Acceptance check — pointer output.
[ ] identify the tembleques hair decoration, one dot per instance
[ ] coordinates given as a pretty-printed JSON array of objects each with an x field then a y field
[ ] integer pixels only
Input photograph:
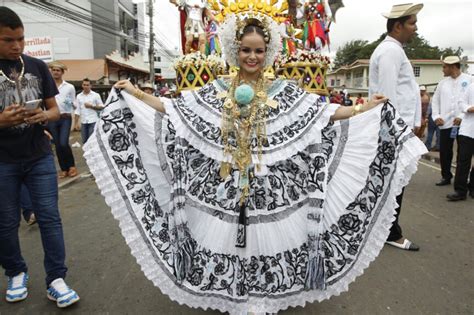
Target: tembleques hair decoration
[{"x": 231, "y": 32}]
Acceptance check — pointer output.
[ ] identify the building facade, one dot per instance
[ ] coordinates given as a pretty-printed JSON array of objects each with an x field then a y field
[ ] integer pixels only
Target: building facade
[
  {"x": 81, "y": 29},
  {"x": 355, "y": 77}
]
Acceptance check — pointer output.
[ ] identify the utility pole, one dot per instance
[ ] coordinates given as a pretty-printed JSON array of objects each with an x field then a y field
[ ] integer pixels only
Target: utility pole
[{"x": 151, "y": 51}]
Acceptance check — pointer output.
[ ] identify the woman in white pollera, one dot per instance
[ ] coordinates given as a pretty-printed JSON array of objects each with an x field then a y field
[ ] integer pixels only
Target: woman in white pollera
[{"x": 251, "y": 195}]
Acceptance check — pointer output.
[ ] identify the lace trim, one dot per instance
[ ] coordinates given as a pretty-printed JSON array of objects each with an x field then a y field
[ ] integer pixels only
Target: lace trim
[{"x": 102, "y": 170}]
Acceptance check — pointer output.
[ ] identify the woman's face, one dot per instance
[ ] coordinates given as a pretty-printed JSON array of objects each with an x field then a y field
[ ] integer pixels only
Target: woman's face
[{"x": 252, "y": 55}]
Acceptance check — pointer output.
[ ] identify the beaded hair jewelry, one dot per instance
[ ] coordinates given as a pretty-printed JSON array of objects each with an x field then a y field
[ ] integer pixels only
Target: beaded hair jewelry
[{"x": 231, "y": 31}]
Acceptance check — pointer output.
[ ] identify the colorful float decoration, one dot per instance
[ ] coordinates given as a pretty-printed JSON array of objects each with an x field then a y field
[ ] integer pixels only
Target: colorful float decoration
[
  {"x": 196, "y": 70},
  {"x": 307, "y": 33},
  {"x": 304, "y": 28},
  {"x": 308, "y": 68}
]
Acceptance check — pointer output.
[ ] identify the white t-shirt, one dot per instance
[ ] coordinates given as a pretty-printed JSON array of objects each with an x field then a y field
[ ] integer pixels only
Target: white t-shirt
[
  {"x": 88, "y": 115},
  {"x": 391, "y": 74},
  {"x": 66, "y": 98}
]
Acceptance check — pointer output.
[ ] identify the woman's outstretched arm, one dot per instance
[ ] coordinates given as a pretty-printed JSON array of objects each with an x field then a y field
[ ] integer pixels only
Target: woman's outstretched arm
[
  {"x": 148, "y": 99},
  {"x": 344, "y": 112}
]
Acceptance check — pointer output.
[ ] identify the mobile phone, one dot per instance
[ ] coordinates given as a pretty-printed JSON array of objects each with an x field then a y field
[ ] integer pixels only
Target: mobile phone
[{"x": 33, "y": 104}]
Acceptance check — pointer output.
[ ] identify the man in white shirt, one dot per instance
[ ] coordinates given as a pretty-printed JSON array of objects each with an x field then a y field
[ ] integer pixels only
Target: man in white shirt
[
  {"x": 446, "y": 111},
  {"x": 89, "y": 104},
  {"x": 465, "y": 149},
  {"x": 60, "y": 129},
  {"x": 391, "y": 74}
]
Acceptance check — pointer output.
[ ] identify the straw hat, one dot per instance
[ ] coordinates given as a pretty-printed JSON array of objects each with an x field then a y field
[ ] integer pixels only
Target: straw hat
[
  {"x": 57, "y": 64},
  {"x": 451, "y": 60},
  {"x": 400, "y": 10},
  {"x": 147, "y": 85}
]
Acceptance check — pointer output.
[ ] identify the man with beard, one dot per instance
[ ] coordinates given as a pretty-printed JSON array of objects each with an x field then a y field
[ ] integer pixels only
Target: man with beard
[{"x": 391, "y": 74}]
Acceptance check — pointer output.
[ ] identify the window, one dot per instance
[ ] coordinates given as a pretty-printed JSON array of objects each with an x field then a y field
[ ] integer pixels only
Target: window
[
  {"x": 157, "y": 58},
  {"x": 332, "y": 82},
  {"x": 417, "y": 71}
]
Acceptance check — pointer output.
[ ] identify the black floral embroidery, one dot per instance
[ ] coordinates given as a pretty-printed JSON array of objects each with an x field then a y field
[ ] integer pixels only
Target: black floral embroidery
[
  {"x": 288, "y": 182},
  {"x": 349, "y": 223},
  {"x": 211, "y": 134},
  {"x": 343, "y": 241},
  {"x": 118, "y": 140}
]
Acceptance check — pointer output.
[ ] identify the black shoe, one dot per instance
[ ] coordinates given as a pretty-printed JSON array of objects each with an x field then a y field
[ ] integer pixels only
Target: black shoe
[
  {"x": 456, "y": 196},
  {"x": 444, "y": 182}
]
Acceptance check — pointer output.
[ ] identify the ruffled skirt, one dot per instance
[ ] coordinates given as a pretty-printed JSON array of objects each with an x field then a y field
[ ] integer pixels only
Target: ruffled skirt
[{"x": 314, "y": 222}]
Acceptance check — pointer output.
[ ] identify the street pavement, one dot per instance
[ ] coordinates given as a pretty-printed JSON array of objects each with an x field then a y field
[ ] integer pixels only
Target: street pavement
[{"x": 436, "y": 280}]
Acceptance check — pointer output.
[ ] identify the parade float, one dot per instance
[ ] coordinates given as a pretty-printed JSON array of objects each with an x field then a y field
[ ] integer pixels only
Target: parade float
[
  {"x": 304, "y": 26},
  {"x": 306, "y": 35},
  {"x": 200, "y": 62}
]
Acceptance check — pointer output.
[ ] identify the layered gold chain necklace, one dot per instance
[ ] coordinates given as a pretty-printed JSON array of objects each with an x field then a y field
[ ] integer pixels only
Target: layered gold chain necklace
[
  {"x": 244, "y": 115},
  {"x": 244, "y": 118}
]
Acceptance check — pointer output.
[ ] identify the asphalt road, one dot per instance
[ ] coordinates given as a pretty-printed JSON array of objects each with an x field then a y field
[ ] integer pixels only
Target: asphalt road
[{"x": 439, "y": 279}]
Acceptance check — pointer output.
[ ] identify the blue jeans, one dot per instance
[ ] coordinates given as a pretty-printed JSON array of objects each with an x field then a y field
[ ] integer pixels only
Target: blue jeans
[
  {"x": 86, "y": 131},
  {"x": 25, "y": 202},
  {"x": 60, "y": 131},
  {"x": 40, "y": 178},
  {"x": 432, "y": 128}
]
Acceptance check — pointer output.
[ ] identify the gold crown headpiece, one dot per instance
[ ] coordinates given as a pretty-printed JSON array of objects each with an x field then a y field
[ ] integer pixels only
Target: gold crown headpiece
[{"x": 223, "y": 8}]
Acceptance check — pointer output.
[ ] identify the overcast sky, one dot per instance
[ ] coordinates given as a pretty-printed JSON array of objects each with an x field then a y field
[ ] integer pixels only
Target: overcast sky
[{"x": 444, "y": 23}]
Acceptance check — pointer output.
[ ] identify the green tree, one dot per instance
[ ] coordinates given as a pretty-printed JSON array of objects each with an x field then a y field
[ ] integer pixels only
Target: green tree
[
  {"x": 417, "y": 48},
  {"x": 348, "y": 53}
]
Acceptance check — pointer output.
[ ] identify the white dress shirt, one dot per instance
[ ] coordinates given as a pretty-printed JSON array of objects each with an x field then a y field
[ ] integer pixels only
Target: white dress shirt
[
  {"x": 447, "y": 98},
  {"x": 66, "y": 98},
  {"x": 467, "y": 125},
  {"x": 88, "y": 116},
  {"x": 391, "y": 74}
]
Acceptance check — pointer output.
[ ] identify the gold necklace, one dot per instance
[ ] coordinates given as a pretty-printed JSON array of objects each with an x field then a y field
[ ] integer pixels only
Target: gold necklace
[
  {"x": 241, "y": 122},
  {"x": 19, "y": 77}
]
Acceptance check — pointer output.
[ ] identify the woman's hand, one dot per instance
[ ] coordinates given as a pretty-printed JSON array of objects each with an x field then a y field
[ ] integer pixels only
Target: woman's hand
[
  {"x": 125, "y": 85},
  {"x": 374, "y": 101},
  {"x": 147, "y": 99}
]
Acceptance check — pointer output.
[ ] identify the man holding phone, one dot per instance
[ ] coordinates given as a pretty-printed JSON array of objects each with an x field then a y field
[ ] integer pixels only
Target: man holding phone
[{"x": 25, "y": 157}]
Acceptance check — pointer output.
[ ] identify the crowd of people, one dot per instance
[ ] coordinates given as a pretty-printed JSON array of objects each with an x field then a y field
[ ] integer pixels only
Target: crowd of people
[{"x": 216, "y": 207}]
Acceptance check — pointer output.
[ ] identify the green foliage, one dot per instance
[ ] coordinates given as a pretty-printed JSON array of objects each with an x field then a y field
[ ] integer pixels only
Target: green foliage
[{"x": 418, "y": 48}]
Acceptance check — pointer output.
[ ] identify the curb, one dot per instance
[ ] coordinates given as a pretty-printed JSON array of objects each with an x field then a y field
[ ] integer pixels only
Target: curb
[
  {"x": 431, "y": 158},
  {"x": 71, "y": 180}
]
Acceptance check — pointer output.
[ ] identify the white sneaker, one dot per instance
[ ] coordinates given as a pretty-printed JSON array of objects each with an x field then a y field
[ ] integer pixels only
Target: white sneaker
[
  {"x": 17, "y": 289},
  {"x": 59, "y": 292}
]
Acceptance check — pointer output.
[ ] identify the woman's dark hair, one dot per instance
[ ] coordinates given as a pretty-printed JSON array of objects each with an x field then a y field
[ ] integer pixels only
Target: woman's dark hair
[
  {"x": 9, "y": 19},
  {"x": 254, "y": 26},
  {"x": 391, "y": 22}
]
